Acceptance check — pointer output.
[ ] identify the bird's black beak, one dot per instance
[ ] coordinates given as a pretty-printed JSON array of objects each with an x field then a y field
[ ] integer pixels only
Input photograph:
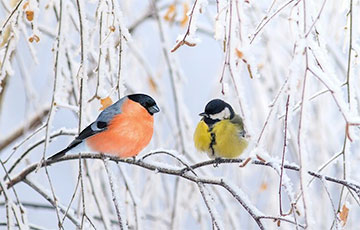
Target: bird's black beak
[
  {"x": 202, "y": 114},
  {"x": 153, "y": 109}
]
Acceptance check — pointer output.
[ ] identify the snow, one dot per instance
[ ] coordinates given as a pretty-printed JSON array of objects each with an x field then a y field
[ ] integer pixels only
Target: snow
[{"x": 182, "y": 82}]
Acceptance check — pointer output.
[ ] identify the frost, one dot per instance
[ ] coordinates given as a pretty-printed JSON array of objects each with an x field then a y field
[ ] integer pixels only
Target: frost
[
  {"x": 199, "y": 8},
  {"x": 244, "y": 198},
  {"x": 219, "y": 29},
  {"x": 255, "y": 55},
  {"x": 208, "y": 198}
]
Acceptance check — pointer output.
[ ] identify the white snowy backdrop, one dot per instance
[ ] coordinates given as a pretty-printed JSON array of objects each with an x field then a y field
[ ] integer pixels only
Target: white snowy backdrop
[{"x": 290, "y": 68}]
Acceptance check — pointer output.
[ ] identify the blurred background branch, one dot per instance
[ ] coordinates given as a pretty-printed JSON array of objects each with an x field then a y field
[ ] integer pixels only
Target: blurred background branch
[{"x": 290, "y": 68}]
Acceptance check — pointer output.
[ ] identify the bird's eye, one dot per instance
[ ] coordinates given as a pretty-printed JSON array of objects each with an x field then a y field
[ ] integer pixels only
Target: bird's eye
[{"x": 101, "y": 124}]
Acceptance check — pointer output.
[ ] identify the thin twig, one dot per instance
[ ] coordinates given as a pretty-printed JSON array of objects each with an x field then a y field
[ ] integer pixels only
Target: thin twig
[
  {"x": 103, "y": 217},
  {"x": 300, "y": 133},
  {"x": 210, "y": 209},
  {"x": 29, "y": 149},
  {"x": 348, "y": 99},
  {"x": 127, "y": 182},
  {"x": 113, "y": 193},
  {"x": 316, "y": 19},
  {"x": 31, "y": 124},
  {"x": 336, "y": 219},
  {"x": 283, "y": 153},
  {"x": 172, "y": 75},
  {"x": 82, "y": 75},
  {"x": 269, "y": 18},
  {"x": 272, "y": 105},
  {"x": 52, "y": 109},
  {"x": 187, "y": 33},
  {"x": 10, "y": 16},
  {"x": 119, "y": 62},
  {"x": 201, "y": 187},
  {"x": 53, "y": 202},
  {"x": 71, "y": 201}
]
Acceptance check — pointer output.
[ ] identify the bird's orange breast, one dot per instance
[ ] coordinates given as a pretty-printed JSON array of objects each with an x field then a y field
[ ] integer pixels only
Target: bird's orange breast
[{"x": 127, "y": 133}]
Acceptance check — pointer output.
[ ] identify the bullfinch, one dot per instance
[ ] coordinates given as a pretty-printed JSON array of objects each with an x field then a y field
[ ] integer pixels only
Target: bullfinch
[
  {"x": 122, "y": 129},
  {"x": 220, "y": 133}
]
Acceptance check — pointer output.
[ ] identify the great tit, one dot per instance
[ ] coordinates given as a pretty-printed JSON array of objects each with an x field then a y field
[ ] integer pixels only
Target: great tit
[{"x": 220, "y": 133}]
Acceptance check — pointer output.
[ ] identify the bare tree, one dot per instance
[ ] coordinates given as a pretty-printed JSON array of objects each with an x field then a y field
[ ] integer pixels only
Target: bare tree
[{"x": 290, "y": 68}]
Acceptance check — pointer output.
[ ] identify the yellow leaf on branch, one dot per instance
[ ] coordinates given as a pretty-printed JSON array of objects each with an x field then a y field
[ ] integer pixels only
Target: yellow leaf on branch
[
  {"x": 185, "y": 18},
  {"x": 112, "y": 28},
  {"x": 26, "y": 4},
  {"x": 105, "y": 102},
  {"x": 29, "y": 15},
  {"x": 239, "y": 54},
  {"x": 34, "y": 38},
  {"x": 170, "y": 13}
]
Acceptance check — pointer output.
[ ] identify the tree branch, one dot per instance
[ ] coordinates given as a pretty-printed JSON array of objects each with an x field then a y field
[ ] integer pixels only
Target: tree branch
[
  {"x": 183, "y": 172},
  {"x": 29, "y": 125}
]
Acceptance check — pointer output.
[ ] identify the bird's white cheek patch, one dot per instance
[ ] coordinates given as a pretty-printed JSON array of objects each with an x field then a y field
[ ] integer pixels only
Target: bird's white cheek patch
[{"x": 225, "y": 114}]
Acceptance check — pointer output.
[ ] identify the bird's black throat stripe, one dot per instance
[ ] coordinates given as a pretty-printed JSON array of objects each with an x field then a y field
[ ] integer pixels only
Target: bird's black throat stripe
[{"x": 213, "y": 141}]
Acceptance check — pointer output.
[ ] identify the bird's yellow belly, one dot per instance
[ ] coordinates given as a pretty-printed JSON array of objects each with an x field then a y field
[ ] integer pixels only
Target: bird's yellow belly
[
  {"x": 202, "y": 137},
  {"x": 227, "y": 144}
]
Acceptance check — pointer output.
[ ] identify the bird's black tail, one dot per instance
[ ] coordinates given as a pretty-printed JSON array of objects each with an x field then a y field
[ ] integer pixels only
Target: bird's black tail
[
  {"x": 73, "y": 144},
  {"x": 59, "y": 154}
]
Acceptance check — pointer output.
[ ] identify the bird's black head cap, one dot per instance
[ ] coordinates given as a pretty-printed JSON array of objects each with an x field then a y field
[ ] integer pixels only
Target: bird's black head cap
[
  {"x": 214, "y": 107},
  {"x": 146, "y": 101}
]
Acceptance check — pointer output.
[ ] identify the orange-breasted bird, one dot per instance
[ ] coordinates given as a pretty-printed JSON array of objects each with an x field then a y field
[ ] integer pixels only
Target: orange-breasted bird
[{"x": 122, "y": 129}]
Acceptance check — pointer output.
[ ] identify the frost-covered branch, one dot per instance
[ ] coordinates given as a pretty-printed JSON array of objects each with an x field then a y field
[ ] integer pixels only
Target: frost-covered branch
[
  {"x": 29, "y": 125},
  {"x": 187, "y": 38},
  {"x": 289, "y": 68},
  {"x": 115, "y": 198},
  {"x": 183, "y": 173},
  {"x": 52, "y": 201}
]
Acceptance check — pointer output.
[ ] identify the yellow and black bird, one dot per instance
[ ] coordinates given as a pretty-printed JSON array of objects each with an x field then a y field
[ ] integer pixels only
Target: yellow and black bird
[{"x": 220, "y": 133}]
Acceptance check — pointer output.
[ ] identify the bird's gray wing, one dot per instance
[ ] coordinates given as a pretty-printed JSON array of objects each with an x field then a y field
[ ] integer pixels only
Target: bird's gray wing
[
  {"x": 99, "y": 125},
  {"x": 237, "y": 120}
]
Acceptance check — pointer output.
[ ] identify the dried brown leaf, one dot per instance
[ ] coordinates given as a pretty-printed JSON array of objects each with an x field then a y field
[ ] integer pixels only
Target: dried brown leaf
[
  {"x": 185, "y": 18},
  {"x": 36, "y": 38},
  {"x": 105, "y": 102},
  {"x": 26, "y": 4},
  {"x": 29, "y": 15},
  {"x": 170, "y": 13},
  {"x": 344, "y": 214},
  {"x": 239, "y": 54}
]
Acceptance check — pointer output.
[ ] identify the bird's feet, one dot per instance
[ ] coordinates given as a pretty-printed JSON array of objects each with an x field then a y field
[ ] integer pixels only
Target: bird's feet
[{"x": 217, "y": 161}]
